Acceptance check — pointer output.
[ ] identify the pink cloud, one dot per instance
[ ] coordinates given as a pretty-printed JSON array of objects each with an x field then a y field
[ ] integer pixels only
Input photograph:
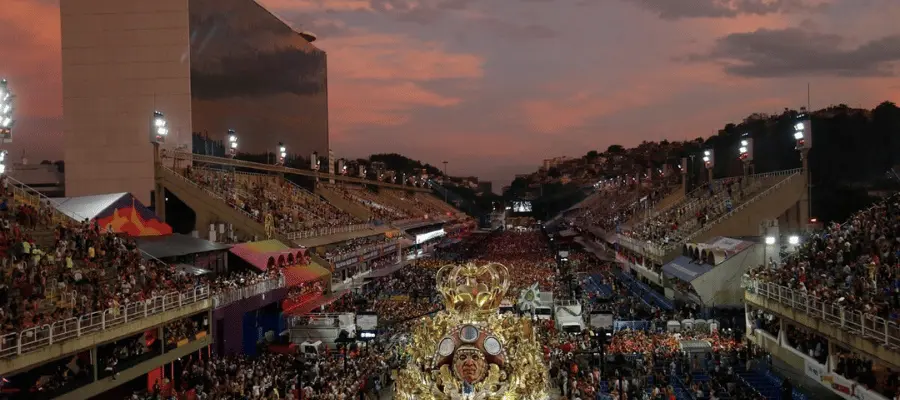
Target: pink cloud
[
  {"x": 374, "y": 56},
  {"x": 376, "y": 79}
]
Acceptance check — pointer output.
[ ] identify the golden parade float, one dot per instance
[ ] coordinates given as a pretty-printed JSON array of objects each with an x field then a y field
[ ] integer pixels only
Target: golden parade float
[{"x": 469, "y": 351}]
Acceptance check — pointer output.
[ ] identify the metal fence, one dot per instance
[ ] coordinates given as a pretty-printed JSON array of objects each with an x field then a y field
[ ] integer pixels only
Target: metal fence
[
  {"x": 875, "y": 328},
  {"x": 33, "y": 339},
  {"x": 225, "y": 298}
]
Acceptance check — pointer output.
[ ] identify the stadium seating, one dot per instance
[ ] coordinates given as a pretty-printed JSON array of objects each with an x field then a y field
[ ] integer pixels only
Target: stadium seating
[{"x": 293, "y": 208}]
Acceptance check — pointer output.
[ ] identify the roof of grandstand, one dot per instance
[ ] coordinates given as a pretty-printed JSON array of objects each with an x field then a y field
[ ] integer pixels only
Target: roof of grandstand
[
  {"x": 259, "y": 253},
  {"x": 176, "y": 245},
  {"x": 686, "y": 269},
  {"x": 88, "y": 207},
  {"x": 307, "y": 273}
]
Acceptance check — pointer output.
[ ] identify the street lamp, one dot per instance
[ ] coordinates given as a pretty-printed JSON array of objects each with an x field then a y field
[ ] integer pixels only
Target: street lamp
[
  {"x": 6, "y": 112},
  {"x": 232, "y": 143},
  {"x": 746, "y": 154}
]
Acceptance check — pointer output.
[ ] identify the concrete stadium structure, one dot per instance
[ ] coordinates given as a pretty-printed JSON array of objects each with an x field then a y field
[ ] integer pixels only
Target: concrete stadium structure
[{"x": 207, "y": 65}]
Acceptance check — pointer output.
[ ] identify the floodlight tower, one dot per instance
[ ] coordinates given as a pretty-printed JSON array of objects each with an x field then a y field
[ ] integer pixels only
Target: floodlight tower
[
  {"x": 6, "y": 112},
  {"x": 231, "y": 151},
  {"x": 709, "y": 161},
  {"x": 3, "y": 154},
  {"x": 745, "y": 152},
  {"x": 803, "y": 137},
  {"x": 281, "y": 155}
]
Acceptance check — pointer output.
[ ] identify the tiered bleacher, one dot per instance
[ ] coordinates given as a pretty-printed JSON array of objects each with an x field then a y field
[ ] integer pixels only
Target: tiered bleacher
[
  {"x": 294, "y": 210},
  {"x": 699, "y": 209},
  {"x": 846, "y": 276},
  {"x": 377, "y": 204}
]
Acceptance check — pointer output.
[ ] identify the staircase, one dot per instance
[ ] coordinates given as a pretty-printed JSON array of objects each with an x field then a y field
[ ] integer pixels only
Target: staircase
[{"x": 204, "y": 202}]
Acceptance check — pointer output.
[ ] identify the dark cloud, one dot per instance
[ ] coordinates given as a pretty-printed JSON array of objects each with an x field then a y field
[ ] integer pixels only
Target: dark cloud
[
  {"x": 794, "y": 52},
  {"x": 244, "y": 51},
  {"x": 677, "y": 9}
]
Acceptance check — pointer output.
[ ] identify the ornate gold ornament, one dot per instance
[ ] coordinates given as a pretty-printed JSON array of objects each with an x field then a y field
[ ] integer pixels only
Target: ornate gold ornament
[{"x": 469, "y": 351}]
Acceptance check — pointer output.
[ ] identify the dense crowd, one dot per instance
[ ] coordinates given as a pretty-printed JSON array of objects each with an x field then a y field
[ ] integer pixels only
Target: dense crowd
[
  {"x": 358, "y": 245},
  {"x": 377, "y": 205},
  {"x": 527, "y": 257},
  {"x": 290, "y": 207},
  {"x": 854, "y": 264},
  {"x": 75, "y": 269},
  {"x": 694, "y": 211}
]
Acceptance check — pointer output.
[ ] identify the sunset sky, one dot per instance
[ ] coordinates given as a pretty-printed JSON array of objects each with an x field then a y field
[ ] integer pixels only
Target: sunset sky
[{"x": 495, "y": 86}]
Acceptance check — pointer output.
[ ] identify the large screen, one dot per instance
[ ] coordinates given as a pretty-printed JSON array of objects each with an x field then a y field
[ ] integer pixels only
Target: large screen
[
  {"x": 602, "y": 321},
  {"x": 521, "y": 206},
  {"x": 252, "y": 73}
]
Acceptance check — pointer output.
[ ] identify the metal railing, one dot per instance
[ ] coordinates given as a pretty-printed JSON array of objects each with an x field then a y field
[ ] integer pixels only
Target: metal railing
[
  {"x": 34, "y": 339},
  {"x": 362, "y": 251},
  {"x": 331, "y": 230},
  {"x": 200, "y": 158},
  {"x": 869, "y": 326},
  {"x": 227, "y": 297},
  {"x": 660, "y": 250}
]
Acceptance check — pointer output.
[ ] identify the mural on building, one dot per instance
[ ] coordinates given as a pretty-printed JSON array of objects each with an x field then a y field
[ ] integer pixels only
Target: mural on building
[{"x": 128, "y": 215}]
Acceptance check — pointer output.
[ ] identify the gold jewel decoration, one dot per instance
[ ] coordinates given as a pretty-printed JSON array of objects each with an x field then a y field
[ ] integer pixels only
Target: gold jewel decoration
[{"x": 469, "y": 351}]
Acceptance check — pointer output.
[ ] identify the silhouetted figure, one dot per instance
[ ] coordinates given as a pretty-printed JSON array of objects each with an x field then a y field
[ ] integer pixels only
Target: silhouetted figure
[{"x": 787, "y": 389}]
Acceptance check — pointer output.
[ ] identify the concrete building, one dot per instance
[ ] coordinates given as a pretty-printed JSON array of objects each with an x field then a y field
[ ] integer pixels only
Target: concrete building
[{"x": 206, "y": 64}]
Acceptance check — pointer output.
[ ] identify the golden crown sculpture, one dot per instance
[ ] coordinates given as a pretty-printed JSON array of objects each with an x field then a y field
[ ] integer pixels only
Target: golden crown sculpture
[
  {"x": 470, "y": 289},
  {"x": 469, "y": 351}
]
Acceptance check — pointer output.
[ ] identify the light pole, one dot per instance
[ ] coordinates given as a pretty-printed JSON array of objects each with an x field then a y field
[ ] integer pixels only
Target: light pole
[
  {"x": 446, "y": 193},
  {"x": 746, "y": 156}
]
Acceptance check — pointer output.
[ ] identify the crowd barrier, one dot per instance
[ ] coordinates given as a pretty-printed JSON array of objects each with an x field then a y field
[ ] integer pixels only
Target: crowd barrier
[
  {"x": 867, "y": 325},
  {"x": 33, "y": 339},
  {"x": 225, "y": 298}
]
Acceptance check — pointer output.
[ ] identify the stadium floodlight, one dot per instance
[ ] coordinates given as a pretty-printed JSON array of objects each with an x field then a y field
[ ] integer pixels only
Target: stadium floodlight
[
  {"x": 281, "y": 156},
  {"x": 802, "y": 133},
  {"x": 6, "y": 111},
  {"x": 709, "y": 158},
  {"x": 794, "y": 240},
  {"x": 770, "y": 240},
  {"x": 3, "y": 154},
  {"x": 159, "y": 128},
  {"x": 232, "y": 143}
]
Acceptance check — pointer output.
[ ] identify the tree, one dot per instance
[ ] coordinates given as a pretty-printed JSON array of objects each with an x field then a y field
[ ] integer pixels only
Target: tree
[
  {"x": 553, "y": 172},
  {"x": 591, "y": 155},
  {"x": 615, "y": 149}
]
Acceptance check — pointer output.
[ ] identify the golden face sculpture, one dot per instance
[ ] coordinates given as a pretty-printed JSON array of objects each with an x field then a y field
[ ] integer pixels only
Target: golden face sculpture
[{"x": 469, "y": 364}]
